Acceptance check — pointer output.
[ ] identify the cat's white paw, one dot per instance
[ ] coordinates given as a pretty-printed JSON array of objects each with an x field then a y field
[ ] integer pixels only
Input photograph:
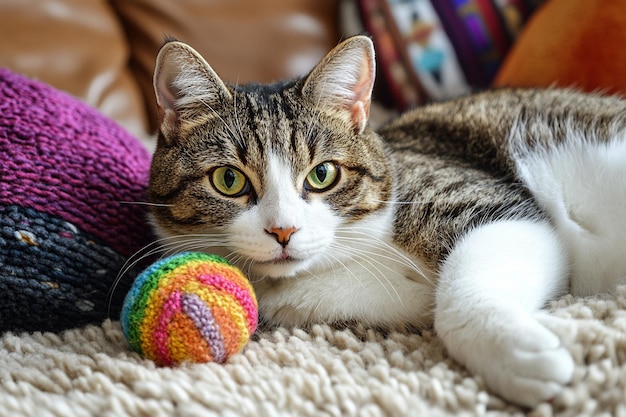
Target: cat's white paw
[
  {"x": 519, "y": 358},
  {"x": 528, "y": 368}
]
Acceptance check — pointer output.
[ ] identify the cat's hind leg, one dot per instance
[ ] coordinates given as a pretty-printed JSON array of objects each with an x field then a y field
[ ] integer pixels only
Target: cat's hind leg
[{"x": 492, "y": 283}]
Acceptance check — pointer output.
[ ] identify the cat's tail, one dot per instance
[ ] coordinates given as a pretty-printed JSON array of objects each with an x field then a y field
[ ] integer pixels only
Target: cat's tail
[{"x": 580, "y": 181}]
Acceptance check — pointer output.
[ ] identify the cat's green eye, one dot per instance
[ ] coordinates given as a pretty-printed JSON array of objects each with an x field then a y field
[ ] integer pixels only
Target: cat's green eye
[
  {"x": 229, "y": 181},
  {"x": 322, "y": 177}
]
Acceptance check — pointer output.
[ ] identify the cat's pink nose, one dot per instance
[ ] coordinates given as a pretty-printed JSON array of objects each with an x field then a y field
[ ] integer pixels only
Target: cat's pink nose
[{"x": 282, "y": 234}]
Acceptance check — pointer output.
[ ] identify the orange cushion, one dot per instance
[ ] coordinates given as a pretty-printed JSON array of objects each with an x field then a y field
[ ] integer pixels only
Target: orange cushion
[{"x": 570, "y": 43}]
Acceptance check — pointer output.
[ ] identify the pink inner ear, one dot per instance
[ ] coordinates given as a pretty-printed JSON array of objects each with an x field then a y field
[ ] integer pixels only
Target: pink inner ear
[
  {"x": 360, "y": 109},
  {"x": 169, "y": 118},
  {"x": 360, "y": 114},
  {"x": 343, "y": 81}
]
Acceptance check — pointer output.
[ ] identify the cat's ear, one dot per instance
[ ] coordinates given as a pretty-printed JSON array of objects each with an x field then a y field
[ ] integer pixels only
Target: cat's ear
[
  {"x": 343, "y": 81},
  {"x": 186, "y": 86}
]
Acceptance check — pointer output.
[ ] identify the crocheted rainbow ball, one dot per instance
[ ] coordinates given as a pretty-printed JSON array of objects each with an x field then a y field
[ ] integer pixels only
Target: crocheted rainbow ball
[{"x": 189, "y": 307}]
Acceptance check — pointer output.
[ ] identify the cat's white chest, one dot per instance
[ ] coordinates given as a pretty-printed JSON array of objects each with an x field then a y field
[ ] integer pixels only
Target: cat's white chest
[{"x": 372, "y": 288}]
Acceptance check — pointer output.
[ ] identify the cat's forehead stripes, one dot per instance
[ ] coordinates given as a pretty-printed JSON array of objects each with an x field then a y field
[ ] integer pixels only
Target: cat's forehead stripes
[{"x": 272, "y": 120}]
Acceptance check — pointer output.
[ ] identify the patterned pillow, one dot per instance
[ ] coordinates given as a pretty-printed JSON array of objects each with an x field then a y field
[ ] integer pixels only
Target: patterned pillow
[
  {"x": 68, "y": 181},
  {"x": 434, "y": 50}
]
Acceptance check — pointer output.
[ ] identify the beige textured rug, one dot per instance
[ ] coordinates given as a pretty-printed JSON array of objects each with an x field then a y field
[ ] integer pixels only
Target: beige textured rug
[{"x": 323, "y": 372}]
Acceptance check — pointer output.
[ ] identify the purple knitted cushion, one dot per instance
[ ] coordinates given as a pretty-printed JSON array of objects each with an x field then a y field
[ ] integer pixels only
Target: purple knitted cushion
[{"x": 68, "y": 181}]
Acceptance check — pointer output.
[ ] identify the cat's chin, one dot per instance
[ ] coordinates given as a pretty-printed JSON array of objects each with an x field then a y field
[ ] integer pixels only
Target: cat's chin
[{"x": 285, "y": 268}]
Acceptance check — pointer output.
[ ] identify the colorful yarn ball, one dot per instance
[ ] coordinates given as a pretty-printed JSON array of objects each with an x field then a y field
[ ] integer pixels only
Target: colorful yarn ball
[{"x": 189, "y": 307}]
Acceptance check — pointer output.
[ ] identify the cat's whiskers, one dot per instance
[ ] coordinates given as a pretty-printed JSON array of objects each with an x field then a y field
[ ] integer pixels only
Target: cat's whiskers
[
  {"x": 247, "y": 265},
  {"x": 358, "y": 256},
  {"x": 191, "y": 243},
  {"x": 165, "y": 247},
  {"x": 333, "y": 260},
  {"x": 144, "y": 253},
  {"x": 256, "y": 278},
  {"x": 145, "y": 203},
  {"x": 371, "y": 254},
  {"x": 234, "y": 134},
  {"x": 242, "y": 262},
  {"x": 237, "y": 123},
  {"x": 385, "y": 251},
  {"x": 379, "y": 248},
  {"x": 401, "y": 202}
]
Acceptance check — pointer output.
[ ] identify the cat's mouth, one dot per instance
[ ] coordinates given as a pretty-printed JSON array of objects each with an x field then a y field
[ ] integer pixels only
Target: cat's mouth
[
  {"x": 282, "y": 259},
  {"x": 283, "y": 265}
]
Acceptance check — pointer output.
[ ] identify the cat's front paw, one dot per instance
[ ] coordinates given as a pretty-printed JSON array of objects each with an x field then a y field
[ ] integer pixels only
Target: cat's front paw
[
  {"x": 519, "y": 358},
  {"x": 531, "y": 374}
]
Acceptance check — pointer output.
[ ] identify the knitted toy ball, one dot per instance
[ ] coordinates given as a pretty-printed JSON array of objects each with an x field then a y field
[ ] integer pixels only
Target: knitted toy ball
[{"x": 189, "y": 307}]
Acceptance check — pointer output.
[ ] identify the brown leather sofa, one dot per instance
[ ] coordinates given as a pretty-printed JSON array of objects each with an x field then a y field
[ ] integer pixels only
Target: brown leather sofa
[{"x": 103, "y": 51}]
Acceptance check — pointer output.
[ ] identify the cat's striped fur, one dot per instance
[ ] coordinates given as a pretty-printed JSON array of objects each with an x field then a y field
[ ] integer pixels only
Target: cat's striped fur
[{"x": 465, "y": 212}]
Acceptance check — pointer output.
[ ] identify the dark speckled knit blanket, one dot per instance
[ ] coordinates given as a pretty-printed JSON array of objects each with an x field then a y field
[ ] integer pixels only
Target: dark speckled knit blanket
[{"x": 68, "y": 178}]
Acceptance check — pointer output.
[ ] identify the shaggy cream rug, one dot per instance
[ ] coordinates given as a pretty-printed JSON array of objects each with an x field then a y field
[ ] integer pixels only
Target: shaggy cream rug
[{"x": 322, "y": 372}]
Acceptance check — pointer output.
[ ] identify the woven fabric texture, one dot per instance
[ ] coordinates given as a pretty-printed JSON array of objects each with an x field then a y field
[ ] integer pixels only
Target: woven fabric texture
[{"x": 69, "y": 182}]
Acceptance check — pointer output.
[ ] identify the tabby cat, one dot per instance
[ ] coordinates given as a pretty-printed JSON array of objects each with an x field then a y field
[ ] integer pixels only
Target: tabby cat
[{"x": 469, "y": 214}]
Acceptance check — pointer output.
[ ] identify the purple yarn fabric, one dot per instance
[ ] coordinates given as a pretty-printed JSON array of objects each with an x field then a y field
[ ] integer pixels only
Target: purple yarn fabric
[
  {"x": 65, "y": 159},
  {"x": 68, "y": 180}
]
